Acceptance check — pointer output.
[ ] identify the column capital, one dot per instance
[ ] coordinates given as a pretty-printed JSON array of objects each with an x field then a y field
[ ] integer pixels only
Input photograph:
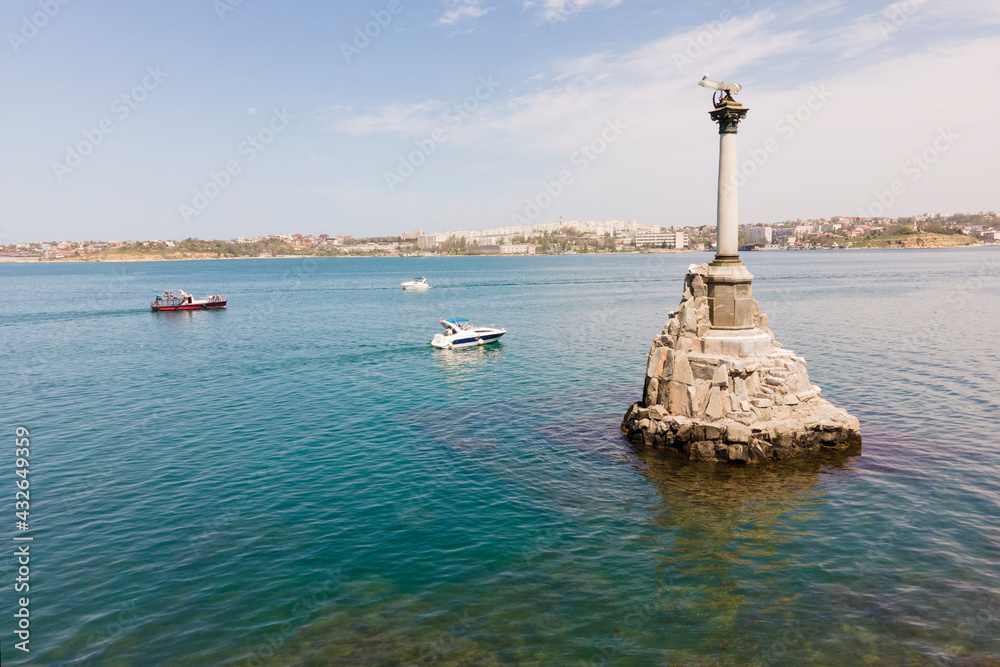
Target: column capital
[{"x": 728, "y": 113}]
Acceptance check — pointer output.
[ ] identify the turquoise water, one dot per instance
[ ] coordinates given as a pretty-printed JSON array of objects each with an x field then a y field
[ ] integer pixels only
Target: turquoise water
[{"x": 302, "y": 480}]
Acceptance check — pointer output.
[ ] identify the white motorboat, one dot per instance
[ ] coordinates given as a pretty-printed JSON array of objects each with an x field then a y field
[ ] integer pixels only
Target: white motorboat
[
  {"x": 416, "y": 283},
  {"x": 459, "y": 333}
]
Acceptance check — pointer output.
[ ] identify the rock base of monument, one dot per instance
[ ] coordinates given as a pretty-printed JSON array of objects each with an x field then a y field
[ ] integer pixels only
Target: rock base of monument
[{"x": 730, "y": 396}]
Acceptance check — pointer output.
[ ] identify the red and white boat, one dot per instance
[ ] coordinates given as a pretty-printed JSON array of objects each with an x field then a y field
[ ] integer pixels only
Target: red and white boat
[{"x": 178, "y": 299}]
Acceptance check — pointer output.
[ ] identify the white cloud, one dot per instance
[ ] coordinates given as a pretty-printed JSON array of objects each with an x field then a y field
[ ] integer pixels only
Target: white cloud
[
  {"x": 562, "y": 10},
  {"x": 804, "y": 12},
  {"x": 884, "y": 109},
  {"x": 404, "y": 119},
  {"x": 459, "y": 10}
]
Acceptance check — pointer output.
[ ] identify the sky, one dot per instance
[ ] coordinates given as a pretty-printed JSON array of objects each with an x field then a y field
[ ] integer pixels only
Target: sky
[{"x": 227, "y": 118}]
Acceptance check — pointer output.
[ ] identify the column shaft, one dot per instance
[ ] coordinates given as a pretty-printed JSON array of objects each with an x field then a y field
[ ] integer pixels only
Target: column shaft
[{"x": 727, "y": 231}]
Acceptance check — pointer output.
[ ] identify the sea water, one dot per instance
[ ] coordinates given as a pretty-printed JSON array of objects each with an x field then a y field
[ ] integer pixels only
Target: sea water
[{"x": 301, "y": 479}]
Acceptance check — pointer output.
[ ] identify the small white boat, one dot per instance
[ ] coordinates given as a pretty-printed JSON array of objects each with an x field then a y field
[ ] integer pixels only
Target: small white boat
[
  {"x": 416, "y": 283},
  {"x": 459, "y": 333}
]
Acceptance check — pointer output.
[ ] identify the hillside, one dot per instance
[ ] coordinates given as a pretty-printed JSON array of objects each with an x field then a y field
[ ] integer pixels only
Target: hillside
[{"x": 915, "y": 240}]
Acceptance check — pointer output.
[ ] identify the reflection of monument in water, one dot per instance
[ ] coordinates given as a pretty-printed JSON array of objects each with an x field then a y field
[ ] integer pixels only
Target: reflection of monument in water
[
  {"x": 727, "y": 546},
  {"x": 718, "y": 386}
]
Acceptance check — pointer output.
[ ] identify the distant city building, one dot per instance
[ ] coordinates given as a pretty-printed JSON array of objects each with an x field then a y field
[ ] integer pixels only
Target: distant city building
[
  {"x": 760, "y": 235},
  {"x": 412, "y": 236},
  {"x": 517, "y": 249},
  {"x": 670, "y": 239},
  {"x": 482, "y": 250},
  {"x": 431, "y": 241},
  {"x": 783, "y": 236}
]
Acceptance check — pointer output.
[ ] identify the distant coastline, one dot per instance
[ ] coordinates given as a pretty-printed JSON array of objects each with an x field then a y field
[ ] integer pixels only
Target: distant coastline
[
  {"x": 127, "y": 259},
  {"x": 562, "y": 238}
]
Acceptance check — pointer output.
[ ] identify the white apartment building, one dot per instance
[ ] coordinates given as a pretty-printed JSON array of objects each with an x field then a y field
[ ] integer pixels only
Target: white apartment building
[
  {"x": 760, "y": 235},
  {"x": 431, "y": 241},
  {"x": 517, "y": 249},
  {"x": 660, "y": 238}
]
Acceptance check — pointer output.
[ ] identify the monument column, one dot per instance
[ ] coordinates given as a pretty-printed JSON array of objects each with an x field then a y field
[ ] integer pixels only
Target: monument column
[
  {"x": 728, "y": 282},
  {"x": 727, "y": 229}
]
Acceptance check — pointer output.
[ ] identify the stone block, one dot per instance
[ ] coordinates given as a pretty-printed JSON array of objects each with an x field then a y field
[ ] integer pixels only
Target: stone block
[
  {"x": 715, "y": 432},
  {"x": 698, "y": 287},
  {"x": 716, "y": 408},
  {"x": 657, "y": 412},
  {"x": 721, "y": 451},
  {"x": 689, "y": 319},
  {"x": 703, "y": 451},
  {"x": 681, "y": 369},
  {"x": 700, "y": 398},
  {"x": 807, "y": 395},
  {"x": 756, "y": 452},
  {"x": 678, "y": 400},
  {"x": 654, "y": 366},
  {"x": 661, "y": 394},
  {"x": 738, "y": 433},
  {"x": 721, "y": 376},
  {"x": 685, "y": 431},
  {"x": 738, "y": 453},
  {"x": 703, "y": 370},
  {"x": 652, "y": 391},
  {"x": 740, "y": 388},
  {"x": 687, "y": 343}
]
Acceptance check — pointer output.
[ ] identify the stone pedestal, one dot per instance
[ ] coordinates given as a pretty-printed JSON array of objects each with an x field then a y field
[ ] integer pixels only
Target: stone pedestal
[{"x": 718, "y": 394}]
